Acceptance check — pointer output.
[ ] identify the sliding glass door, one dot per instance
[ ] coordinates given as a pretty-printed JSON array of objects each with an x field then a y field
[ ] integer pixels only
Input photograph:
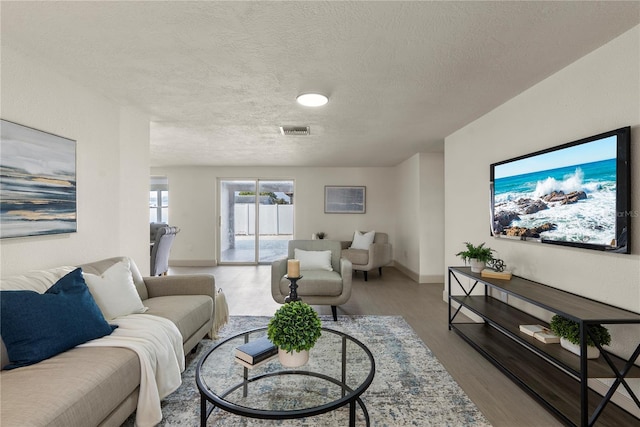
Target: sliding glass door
[{"x": 256, "y": 220}]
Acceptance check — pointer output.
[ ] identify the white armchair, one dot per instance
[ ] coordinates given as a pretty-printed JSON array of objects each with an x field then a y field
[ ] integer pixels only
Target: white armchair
[
  {"x": 377, "y": 256},
  {"x": 317, "y": 287}
]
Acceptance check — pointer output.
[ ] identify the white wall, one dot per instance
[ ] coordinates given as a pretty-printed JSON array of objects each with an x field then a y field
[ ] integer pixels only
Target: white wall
[
  {"x": 405, "y": 201},
  {"x": 192, "y": 207},
  {"x": 134, "y": 187},
  {"x": 431, "y": 217},
  {"x": 419, "y": 217},
  {"x": 407, "y": 217},
  {"x": 599, "y": 92},
  {"x": 112, "y": 159},
  {"x": 193, "y": 204}
]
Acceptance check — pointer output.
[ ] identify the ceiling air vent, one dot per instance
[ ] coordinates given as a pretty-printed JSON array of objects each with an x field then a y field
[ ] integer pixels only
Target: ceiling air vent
[{"x": 294, "y": 130}]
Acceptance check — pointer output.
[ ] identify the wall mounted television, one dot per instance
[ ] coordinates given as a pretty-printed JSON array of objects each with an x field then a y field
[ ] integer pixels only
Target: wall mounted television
[{"x": 576, "y": 194}]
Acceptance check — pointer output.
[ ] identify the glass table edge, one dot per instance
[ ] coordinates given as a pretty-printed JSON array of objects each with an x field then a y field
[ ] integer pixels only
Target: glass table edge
[{"x": 298, "y": 413}]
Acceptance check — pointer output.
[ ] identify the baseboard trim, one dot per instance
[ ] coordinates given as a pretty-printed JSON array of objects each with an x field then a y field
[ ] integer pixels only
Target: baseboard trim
[
  {"x": 420, "y": 278},
  {"x": 431, "y": 278},
  {"x": 193, "y": 263},
  {"x": 412, "y": 274}
]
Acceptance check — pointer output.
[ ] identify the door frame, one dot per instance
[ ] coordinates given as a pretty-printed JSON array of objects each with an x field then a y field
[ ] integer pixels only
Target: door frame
[{"x": 256, "y": 222}]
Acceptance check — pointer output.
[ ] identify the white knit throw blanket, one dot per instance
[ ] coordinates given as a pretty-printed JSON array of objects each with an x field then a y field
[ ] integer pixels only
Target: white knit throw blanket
[
  {"x": 158, "y": 344},
  {"x": 220, "y": 313}
]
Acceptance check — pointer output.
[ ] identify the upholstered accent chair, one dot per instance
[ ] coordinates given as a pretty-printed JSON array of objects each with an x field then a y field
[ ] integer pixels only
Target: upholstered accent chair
[
  {"x": 318, "y": 285},
  {"x": 161, "y": 248},
  {"x": 376, "y": 256},
  {"x": 153, "y": 230}
]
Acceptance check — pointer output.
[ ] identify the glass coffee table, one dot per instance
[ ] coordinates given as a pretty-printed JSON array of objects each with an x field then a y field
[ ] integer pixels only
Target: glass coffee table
[{"x": 339, "y": 370}]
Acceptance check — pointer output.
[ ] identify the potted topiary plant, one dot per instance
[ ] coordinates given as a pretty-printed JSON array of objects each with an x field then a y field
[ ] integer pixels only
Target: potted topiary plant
[
  {"x": 294, "y": 329},
  {"x": 477, "y": 256},
  {"x": 321, "y": 235},
  {"x": 569, "y": 333}
]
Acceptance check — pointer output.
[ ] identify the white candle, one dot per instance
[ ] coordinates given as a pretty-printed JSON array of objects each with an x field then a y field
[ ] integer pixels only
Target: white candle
[{"x": 293, "y": 268}]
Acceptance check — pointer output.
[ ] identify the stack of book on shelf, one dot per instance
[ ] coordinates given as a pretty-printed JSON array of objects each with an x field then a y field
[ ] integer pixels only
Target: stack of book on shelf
[
  {"x": 540, "y": 333},
  {"x": 256, "y": 352}
]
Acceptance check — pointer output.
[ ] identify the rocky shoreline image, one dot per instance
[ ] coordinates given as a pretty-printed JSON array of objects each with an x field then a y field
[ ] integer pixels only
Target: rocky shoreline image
[
  {"x": 503, "y": 219},
  {"x": 567, "y": 195}
]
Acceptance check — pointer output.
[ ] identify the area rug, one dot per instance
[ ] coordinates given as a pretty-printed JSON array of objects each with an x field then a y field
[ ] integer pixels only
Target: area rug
[{"x": 410, "y": 388}]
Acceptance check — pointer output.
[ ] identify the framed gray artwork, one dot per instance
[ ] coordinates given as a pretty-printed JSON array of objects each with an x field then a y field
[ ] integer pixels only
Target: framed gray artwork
[{"x": 344, "y": 199}]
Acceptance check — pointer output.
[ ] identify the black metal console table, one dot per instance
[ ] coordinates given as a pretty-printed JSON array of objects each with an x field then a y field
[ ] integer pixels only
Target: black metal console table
[{"x": 554, "y": 376}]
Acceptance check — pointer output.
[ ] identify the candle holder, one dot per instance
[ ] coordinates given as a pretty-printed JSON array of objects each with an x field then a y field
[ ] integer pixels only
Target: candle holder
[{"x": 293, "y": 289}]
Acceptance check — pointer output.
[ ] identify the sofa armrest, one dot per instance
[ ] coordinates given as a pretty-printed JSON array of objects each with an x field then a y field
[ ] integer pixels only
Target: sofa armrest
[
  {"x": 346, "y": 271},
  {"x": 193, "y": 284},
  {"x": 278, "y": 269},
  {"x": 379, "y": 254}
]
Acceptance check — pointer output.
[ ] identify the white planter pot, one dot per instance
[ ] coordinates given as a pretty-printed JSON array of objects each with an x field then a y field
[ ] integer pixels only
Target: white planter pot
[
  {"x": 476, "y": 266},
  {"x": 294, "y": 359},
  {"x": 592, "y": 352}
]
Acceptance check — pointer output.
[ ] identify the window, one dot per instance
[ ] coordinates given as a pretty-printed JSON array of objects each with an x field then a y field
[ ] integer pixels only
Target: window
[{"x": 159, "y": 199}]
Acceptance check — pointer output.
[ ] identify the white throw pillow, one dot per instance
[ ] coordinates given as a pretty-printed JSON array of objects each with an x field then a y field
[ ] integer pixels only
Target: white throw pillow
[
  {"x": 362, "y": 240},
  {"x": 114, "y": 291},
  {"x": 313, "y": 260}
]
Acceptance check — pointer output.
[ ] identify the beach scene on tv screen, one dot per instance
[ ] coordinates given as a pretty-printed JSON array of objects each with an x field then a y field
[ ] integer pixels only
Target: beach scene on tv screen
[{"x": 566, "y": 195}]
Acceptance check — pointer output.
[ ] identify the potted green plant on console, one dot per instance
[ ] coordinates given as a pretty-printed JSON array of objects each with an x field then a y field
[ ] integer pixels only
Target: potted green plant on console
[
  {"x": 294, "y": 329},
  {"x": 569, "y": 333},
  {"x": 478, "y": 256}
]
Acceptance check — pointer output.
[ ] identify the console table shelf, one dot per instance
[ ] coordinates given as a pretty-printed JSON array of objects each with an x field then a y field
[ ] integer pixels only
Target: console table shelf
[{"x": 553, "y": 375}]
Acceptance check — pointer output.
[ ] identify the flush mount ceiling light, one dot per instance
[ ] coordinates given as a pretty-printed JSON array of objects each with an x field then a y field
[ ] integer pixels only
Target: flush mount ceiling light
[{"x": 312, "y": 99}]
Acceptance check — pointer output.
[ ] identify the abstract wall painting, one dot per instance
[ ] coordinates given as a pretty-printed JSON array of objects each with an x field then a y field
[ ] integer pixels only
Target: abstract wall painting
[
  {"x": 37, "y": 182},
  {"x": 344, "y": 199}
]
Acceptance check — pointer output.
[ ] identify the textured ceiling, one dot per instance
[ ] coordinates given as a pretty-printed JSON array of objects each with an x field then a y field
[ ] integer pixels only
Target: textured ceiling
[{"x": 219, "y": 78}]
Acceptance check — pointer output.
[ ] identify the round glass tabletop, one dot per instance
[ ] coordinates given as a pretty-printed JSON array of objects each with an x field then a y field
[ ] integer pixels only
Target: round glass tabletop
[{"x": 339, "y": 370}]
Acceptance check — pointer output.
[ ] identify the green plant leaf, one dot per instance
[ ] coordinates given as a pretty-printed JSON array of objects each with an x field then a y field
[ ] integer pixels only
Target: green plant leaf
[
  {"x": 294, "y": 327},
  {"x": 570, "y": 330},
  {"x": 476, "y": 252}
]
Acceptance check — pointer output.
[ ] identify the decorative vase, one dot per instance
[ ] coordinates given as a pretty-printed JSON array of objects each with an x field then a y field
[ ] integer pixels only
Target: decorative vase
[
  {"x": 592, "y": 352},
  {"x": 294, "y": 359},
  {"x": 476, "y": 266}
]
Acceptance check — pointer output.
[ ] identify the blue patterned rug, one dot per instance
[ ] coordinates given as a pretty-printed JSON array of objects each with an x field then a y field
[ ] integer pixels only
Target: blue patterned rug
[{"x": 410, "y": 388}]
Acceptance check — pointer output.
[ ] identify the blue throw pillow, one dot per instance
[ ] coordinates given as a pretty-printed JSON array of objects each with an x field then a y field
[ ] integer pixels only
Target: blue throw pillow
[{"x": 38, "y": 326}]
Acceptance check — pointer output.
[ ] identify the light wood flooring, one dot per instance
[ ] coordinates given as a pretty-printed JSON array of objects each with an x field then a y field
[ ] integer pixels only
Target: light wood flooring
[{"x": 248, "y": 292}]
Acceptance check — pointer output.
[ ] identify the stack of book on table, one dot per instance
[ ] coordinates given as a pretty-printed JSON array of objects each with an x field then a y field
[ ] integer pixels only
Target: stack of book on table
[
  {"x": 256, "y": 352},
  {"x": 540, "y": 333}
]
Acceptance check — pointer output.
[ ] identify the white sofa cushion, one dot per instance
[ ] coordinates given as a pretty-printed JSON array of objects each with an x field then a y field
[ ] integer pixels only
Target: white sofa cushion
[{"x": 316, "y": 283}]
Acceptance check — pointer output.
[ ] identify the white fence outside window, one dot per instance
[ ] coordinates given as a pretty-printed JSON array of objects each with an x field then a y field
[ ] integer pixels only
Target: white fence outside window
[{"x": 274, "y": 219}]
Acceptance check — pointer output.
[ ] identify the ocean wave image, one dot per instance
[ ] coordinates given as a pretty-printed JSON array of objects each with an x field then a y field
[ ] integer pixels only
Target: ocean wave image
[
  {"x": 37, "y": 182},
  {"x": 574, "y": 203}
]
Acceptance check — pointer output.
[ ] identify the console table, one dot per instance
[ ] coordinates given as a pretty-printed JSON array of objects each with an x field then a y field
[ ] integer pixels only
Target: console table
[{"x": 551, "y": 374}]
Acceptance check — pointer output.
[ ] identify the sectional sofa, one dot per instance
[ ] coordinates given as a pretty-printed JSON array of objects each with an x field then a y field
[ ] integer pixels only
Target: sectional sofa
[{"x": 98, "y": 386}]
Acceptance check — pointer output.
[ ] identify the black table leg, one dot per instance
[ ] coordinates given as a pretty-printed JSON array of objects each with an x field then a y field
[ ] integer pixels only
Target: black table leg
[
  {"x": 203, "y": 411},
  {"x": 352, "y": 414}
]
